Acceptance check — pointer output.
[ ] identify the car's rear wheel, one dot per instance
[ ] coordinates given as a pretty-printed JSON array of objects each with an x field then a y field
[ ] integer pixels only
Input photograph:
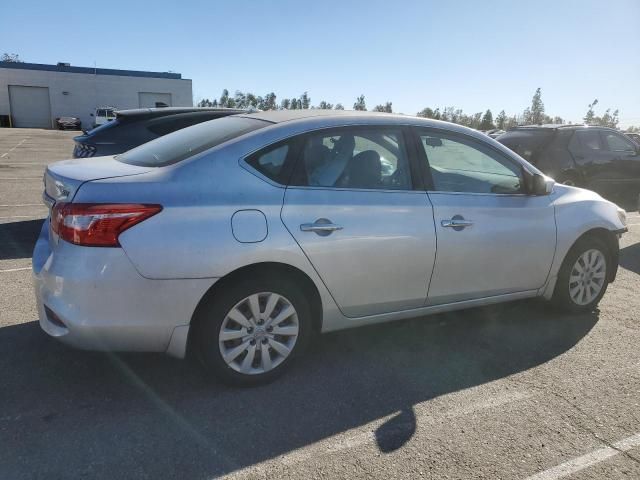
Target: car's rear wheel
[
  {"x": 584, "y": 276},
  {"x": 249, "y": 332}
]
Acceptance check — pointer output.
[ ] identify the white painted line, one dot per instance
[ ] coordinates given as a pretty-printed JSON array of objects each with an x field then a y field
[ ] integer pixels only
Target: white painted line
[
  {"x": 25, "y": 205},
  {"x": 22, "y": 178},
  {"x": 13, "y": 148},
  {"x": 343, "y": 441},
  {"x": 575, "y": 465},
  {"x": 35, "y": 217},
  {"x": 21, "y": 269}
]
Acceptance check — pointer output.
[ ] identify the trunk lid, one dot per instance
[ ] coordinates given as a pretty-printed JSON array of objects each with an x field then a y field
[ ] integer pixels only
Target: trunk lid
[{"x": 63, "y": 179}]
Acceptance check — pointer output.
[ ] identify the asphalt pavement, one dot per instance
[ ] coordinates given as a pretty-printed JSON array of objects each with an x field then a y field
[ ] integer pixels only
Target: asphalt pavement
[{"x": 514, "y": 391}]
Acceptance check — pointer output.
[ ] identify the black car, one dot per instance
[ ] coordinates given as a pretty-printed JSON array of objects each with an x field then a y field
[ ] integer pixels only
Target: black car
[
  {"x": 598, "y": 158},
  {"x": 135, "y": 127},
  {"x": 634, "y": 136},
  {"x": 68, "y": 123}
]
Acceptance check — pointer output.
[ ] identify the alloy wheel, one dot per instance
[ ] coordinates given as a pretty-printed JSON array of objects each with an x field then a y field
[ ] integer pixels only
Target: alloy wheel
[
  {"x": 258, "y": 333},
  {"x": 587, "y": 277}
]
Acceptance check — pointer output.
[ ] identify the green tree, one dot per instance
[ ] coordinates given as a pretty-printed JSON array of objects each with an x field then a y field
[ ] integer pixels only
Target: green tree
[
  {"x": 534, "y": 115},
  {"x": 285, "y": 104},
  {"x": 591, "y": 114},
  {"x": 270, "y": 101},
  {"x": 501, "y": 119},
  {"x": 325, "y": 105},
  {"x": 426, "y": 112},
  {"x": 305, "y": 101},
  {"x": 487, "y": 121},
  {"x": 224, "y": 98},
  {"x": 387, "y": 107},
  {"x": 360, "y": 104},
  {"x": 10, "y": 57},
  {"x": 338, "y": 106}
]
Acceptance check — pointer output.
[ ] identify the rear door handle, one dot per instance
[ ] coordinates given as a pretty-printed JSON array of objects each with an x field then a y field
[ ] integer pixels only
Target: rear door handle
[
  {"x": 456, "y": 223},
  {"x": 322, "y": 227}
]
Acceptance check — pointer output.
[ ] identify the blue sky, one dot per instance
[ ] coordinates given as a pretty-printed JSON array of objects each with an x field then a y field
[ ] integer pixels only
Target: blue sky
[{"x": 468, "y": 54}]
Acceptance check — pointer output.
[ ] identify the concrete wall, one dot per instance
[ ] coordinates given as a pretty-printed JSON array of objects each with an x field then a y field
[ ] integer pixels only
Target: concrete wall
[{"x": 85, "y": 92}]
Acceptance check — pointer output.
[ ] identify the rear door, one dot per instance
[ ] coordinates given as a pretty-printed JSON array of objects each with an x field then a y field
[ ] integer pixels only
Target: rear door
[
  {"x": 597, "y": 164},
  {"x": 353, "y": 209},
  {"x": 624, "y": 154},
  {"x": 493, "y": 238}
]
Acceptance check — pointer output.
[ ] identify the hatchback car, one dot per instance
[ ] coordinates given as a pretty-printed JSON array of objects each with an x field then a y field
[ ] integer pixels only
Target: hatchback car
[
  {"x": 598, "y": 158},
  {"x": 131, "y": 128},
  {"x": 240, "y": 238}
]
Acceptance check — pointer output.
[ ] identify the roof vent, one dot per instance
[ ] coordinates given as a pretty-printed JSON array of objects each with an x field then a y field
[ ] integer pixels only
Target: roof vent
[{"x": 64, "y": 64}]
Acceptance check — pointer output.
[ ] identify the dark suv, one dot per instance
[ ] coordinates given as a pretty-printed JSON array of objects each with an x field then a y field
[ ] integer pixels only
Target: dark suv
[
  {"x": 598, "y": 158},
  {"x": 135, "y": 127}
]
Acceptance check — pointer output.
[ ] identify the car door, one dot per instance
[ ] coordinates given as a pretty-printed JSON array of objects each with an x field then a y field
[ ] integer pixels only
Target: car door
[
  {"x": 493, "y": 238},
  {"x": 597, "y": 164},
  {"x": 353, "y": 209},
  {"x": 624, "y": 155}
]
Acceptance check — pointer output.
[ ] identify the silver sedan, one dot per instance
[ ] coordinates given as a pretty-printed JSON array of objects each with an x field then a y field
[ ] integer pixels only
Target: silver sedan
[{"x": 240, "y": 238}]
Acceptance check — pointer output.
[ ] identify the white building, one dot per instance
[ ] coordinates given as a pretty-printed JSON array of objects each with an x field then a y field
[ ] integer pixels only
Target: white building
[{"x": 34, "y": 95}]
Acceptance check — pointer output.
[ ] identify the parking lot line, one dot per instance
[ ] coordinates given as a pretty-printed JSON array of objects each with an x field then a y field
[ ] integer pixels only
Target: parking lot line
[
  {"x": 21, "y": 269},
  {"x": 25, "y": 205},
  {"x": 13, "y": 148},
  {"x": 576, "y": 464}
]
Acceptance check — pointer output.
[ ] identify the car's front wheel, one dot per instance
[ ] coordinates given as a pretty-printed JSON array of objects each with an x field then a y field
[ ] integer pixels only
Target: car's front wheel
[
  {"x": 584, "y": 276},
  {"x": 249, "y": 332}
]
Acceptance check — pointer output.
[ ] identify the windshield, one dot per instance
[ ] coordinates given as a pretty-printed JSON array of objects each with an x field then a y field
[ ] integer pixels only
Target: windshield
[{"x": 185, "y": 143}]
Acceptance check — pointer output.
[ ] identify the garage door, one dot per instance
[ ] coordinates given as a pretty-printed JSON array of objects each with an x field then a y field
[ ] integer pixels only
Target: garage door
[
  {"x": 30, "y": 107},
  {"x": 151, "y": 99}
]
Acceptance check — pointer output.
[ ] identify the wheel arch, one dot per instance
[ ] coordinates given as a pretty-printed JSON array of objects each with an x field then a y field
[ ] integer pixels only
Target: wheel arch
[{"x": 263, "y": 268}]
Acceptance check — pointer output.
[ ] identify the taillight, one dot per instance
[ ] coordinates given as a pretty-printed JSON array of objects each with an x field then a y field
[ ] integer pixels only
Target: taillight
[{"x": 97, "y": 224}]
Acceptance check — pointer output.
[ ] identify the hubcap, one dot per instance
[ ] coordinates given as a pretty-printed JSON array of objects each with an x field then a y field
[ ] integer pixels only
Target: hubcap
[
  {"x": 258, "y": 333},
  {"x": 587, "y": 277}
]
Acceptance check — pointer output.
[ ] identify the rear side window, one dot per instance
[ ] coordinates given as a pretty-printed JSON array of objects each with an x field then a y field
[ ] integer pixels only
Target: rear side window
[
  {"x": 270, "y": 162},
  {"x": 617, "y": 143},
  {"x": 355, "y": 158},
  {"x": 526, "y": 143},
  {"x": 177, "y": 146}
]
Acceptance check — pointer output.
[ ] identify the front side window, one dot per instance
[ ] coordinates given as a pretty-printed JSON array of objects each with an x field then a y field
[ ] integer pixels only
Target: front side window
[
  {"x": 463, "y": 165},
  {"x": 354, "y": 158},
  {"x": 589, "y": 139},
  {"x": 617, "y": 143}
]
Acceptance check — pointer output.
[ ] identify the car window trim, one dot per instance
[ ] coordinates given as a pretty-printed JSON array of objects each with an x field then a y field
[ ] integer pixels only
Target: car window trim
[{"x": 426, "y": 171}]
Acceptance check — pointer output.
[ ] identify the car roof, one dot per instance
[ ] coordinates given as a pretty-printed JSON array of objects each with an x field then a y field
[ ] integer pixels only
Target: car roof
[
  {"x": 165, "y": 111},
  {"x": 279, "y": 116},
  {"x": 555, "y": 126}
]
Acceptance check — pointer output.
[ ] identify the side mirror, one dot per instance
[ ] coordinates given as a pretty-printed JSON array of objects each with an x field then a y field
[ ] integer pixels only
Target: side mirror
[{"x": 541, "y": 185}]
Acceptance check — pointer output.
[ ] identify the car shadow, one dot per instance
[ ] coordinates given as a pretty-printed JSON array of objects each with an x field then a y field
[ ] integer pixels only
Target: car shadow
[
  {"x": 17, "y": 239},
  {"x": 71, "y": 413},
  {"x": 630, "y": 257}
]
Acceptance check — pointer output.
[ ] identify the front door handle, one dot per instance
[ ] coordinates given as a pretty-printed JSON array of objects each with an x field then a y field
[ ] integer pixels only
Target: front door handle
[
  {"x": 457, "y": 223},
  {"x": 322, "y": 227}
]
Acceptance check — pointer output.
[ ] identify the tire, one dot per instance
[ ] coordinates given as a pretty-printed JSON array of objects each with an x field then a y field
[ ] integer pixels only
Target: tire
[
  {"x": 222, "y": 310},
  {"x": 571, "y": 281}
]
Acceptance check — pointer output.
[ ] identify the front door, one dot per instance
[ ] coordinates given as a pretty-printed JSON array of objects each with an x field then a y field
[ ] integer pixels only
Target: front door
[
  {"x": 493, "y": 238},
  {"x": 352, "y": 209}
]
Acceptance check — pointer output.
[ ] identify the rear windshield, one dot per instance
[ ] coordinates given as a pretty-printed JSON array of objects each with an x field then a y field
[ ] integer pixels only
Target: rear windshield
[
  {"x": 526, "y": 143},
  {"x": 177, "y": 146}
]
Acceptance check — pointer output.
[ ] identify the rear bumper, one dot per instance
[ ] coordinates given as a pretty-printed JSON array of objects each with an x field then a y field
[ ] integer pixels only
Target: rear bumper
[{"x": 95, "y": 299}]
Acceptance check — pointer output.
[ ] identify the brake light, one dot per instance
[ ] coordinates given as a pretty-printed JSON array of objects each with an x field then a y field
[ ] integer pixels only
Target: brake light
[{"x": 97, "y": 224}]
